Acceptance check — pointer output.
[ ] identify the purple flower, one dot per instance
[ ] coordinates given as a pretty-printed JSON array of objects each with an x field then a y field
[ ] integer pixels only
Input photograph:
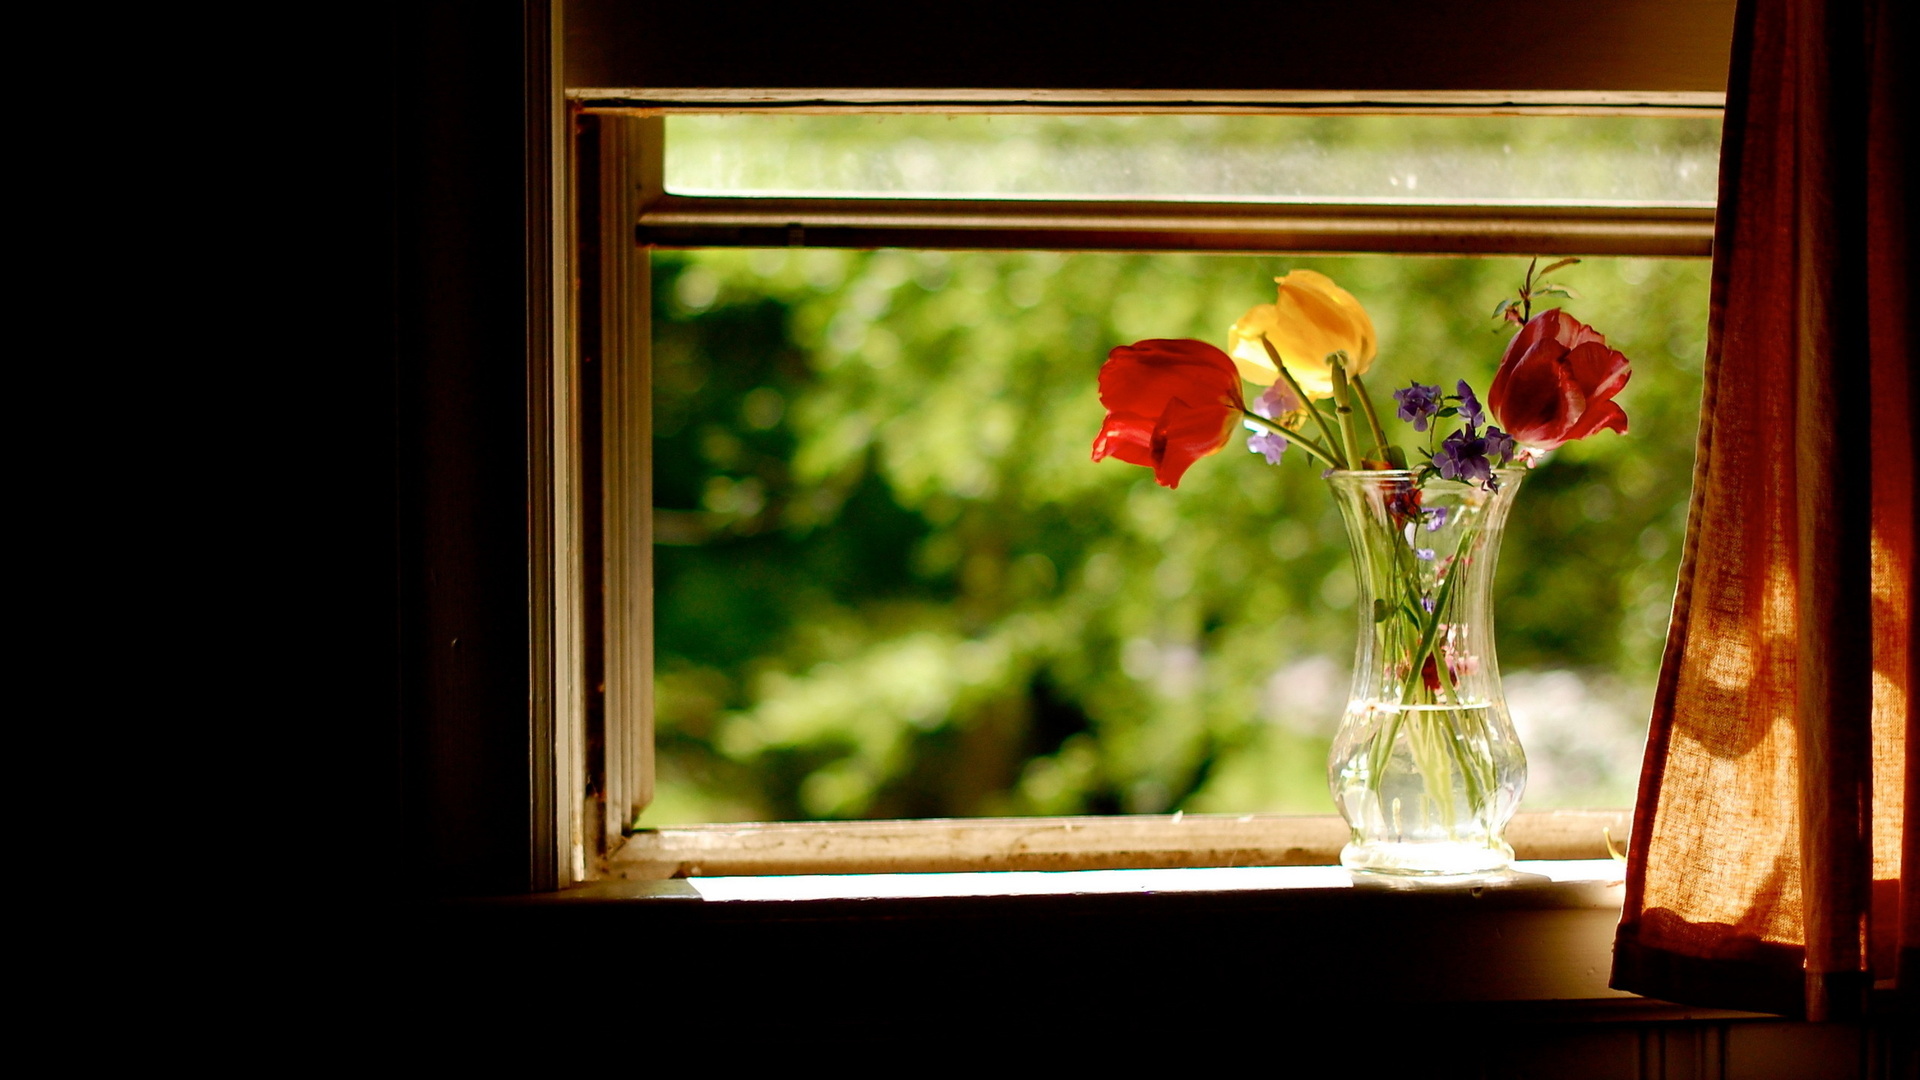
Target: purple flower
[
  {"x": 1500, "y": 445},
  {"x": 1278, "y": 401},
  {"x": 1424, "y": 554},
  {"x": 1427, "y": 603},
  {"x": 1469, "y": 406},
  {"x": 1418, "y": 404},
  {"x": 1436, "y": 519},
  {"x": 1463, "y": 457},
  {"x": 1269, "y": 444}
]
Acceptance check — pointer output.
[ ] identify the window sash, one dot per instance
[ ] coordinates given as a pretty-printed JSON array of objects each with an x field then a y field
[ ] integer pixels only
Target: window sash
[
  {"x": 634, "y": 213},
  {"x": 681, "y": 221}
]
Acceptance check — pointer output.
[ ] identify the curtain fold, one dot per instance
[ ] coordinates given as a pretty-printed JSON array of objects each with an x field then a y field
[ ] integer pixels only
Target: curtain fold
[{"x": 1775, "y": 814}]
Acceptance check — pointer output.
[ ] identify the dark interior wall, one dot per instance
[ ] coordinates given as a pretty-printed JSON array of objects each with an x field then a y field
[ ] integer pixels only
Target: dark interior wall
[
  {"x": 464, "y": 254},
  {"x": 1670, "y": 45},
  {"x": 468, "y": 276},
  {"x": 394, "y": 674}
]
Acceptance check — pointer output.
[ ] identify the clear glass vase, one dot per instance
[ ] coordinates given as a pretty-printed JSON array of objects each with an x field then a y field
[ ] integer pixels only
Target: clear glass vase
[{"x": 1425, "y": 767}]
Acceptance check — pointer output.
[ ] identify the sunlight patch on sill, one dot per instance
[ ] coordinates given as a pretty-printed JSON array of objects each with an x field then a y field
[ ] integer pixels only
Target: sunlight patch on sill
[{"x": 1607, "y": 872}]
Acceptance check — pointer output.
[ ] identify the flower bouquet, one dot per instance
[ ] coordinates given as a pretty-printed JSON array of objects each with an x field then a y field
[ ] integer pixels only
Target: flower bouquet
[{"x": 1425, "y": 765}]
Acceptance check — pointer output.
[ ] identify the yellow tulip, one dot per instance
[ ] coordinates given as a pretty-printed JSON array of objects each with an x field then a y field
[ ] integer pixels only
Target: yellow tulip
[{"x": 1313, "y": 319}]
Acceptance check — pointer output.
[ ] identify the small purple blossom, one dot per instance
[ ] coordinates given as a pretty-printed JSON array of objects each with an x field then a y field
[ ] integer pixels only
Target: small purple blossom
[
  {"x": 1427, "y": 603},
  {"x": 1418, "y": 404},
  {"x": 1463, "y": 457},
  {"x": 1470, "y": 406},
  {"x": 1436, "y": 519},
  {"x": 1500, "y": 445},
  {"x": 1276, "y": 402},
  {"x": 1269, "y": 444},
  {"x": 1423, "y": 554}
]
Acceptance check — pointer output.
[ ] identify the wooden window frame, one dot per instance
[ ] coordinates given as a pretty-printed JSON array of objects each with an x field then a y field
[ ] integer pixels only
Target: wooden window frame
[
  {"x": 630, "y": 213},
  {"x": 611, "y": 208}
]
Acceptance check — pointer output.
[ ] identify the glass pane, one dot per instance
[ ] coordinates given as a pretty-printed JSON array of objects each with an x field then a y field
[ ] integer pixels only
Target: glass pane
[
  {"x": 890, "y": 583},
  {"x": 1574, "y": 159}
]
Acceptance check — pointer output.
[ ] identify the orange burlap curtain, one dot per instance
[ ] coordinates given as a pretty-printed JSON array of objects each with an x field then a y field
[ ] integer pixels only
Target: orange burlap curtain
[{"x": 1776, "y": 806}]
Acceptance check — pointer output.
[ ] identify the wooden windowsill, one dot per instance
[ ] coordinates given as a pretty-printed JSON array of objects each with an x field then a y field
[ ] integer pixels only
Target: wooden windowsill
[
  {"x": 1140, "y": 842},
  {"x": 1539, "y": 936},
  {"x": 1111, "y": 903}
]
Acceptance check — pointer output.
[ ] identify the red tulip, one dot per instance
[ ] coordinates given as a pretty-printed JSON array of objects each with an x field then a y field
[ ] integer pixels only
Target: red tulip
[
  {"x": 1169, "y": 404},
  {"x": 1557, "y": 381}
]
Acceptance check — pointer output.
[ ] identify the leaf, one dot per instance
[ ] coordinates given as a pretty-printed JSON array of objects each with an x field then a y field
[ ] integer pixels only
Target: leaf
[
  {"x": 1500, "y": 308},
  {"x": 1380, "y": 611},
  {"x": 1556, "y": 266},
  {"x": 1451, "y": 410},
  {"x": 1397, "y": 456},
  {"x": 1556, "y": 287}
]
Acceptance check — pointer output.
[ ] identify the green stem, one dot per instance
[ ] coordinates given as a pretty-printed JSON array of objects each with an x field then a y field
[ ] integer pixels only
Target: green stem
[
  {"x": 1373, "y": 418},
  {"x": 1432, "y": 629},
  {"x": 1343, "y": 407},
  {"x": 1384, "y": 748},
  {"x": 1456, "y": 736},
  {"x": 1294, "y": 385}
]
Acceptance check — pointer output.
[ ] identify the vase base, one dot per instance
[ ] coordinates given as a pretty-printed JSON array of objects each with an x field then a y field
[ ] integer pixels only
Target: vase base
[{"x": 1426, "y": 858}]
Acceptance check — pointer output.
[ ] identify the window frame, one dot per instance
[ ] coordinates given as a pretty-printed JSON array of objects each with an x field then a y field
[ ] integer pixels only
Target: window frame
[
  {"x": 612, "y": 207},
  {"x": 617, "y": 228}
]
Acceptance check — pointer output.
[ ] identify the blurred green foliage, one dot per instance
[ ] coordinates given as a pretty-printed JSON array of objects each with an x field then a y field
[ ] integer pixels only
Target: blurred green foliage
[
  {"x": 891, "y": 583},
  {"x": 1673, "y": 158}
]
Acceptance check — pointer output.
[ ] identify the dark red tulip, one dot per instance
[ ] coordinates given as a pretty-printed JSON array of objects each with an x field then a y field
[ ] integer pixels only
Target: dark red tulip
[
  {"x": 1170, "y": 402},
  {"x": 1557, "y": 381}
]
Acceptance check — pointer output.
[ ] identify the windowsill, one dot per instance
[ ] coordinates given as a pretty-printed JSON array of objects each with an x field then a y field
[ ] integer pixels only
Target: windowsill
[
  {"x": 1136, "y": 842},
  {"x": 1117, "y": 904},
  {"x": 1085, "y": 891},
  {"x": 1593, "y": 883},
  {"x": 1537, "y": 939}
]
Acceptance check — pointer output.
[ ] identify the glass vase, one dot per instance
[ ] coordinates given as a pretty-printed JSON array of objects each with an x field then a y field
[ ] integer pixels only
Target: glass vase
[{"x": 1425, "y": 766}]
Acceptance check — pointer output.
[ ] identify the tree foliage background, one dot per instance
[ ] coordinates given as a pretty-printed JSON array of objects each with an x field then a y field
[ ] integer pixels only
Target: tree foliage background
[{"x": 891, "y": 583}]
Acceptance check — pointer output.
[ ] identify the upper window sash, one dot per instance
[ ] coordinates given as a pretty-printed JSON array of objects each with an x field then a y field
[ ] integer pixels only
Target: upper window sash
[{"x": 1228, "y": 223}]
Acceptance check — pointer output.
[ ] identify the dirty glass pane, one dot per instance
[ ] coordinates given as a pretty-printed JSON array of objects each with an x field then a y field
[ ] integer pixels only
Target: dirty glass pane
[{"x": 1634, "y": 160}]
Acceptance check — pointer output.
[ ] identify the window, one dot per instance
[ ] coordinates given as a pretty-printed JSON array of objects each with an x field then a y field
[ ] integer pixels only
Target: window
[
  {"x": 626, "y": 160},
  {"x": 733, "y": 501}
]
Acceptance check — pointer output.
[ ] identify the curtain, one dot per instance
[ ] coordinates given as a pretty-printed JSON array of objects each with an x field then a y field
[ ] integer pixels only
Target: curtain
[{"x": 1776, "y": 806}]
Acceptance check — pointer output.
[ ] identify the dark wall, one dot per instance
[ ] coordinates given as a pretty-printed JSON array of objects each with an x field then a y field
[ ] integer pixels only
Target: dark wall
[
  {"x": 468, "y": 255},
  {"x": 1486, "y": 44},
  {"x": 394, "y": 677}
]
